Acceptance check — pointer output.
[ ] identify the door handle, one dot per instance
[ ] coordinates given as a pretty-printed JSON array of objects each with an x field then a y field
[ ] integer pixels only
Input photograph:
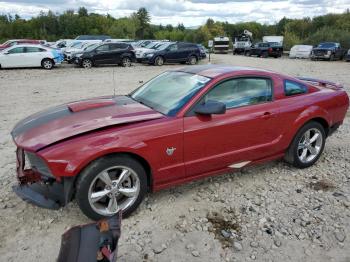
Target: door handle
[{"x": 267, "y": 115}]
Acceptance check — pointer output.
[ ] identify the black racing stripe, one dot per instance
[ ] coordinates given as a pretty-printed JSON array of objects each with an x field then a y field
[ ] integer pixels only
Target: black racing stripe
[{"x": 40, "y": 118}]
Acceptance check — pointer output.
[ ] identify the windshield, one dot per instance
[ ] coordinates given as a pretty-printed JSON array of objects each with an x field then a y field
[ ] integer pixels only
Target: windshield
[
  {"x": 326, "y": 45},
  {"x": 170, "y": 91},
  {"x": 91, "y": 47},
  {"x": 150, "y": 45},
  {"x": 77, "y": 44},
  {"x": 162, "y": 47}
]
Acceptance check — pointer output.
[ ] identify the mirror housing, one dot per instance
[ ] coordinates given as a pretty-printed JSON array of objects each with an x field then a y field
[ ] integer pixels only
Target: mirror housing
[{"x": 210, "y": 107}]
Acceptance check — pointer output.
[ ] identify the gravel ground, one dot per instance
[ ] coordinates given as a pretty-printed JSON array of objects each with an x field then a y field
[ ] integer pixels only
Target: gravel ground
[{"x": 270, "y": 212}]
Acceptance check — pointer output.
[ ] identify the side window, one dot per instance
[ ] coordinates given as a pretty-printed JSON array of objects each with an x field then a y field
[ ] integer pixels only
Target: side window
[
  {"x": 241, "y": 92},
  {"x": 114, "y": 46},
  {"x": 173, "y": 47},
  {"x": 16, "y": 50},
  {"x": 293, "y": 88},
  {"x": 33, "y": 49},
  {"x": 102, "y": 48}
]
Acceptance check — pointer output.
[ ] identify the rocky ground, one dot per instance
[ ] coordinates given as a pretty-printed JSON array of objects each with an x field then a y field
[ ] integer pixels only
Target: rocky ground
[{"x": 271, "y": 212}]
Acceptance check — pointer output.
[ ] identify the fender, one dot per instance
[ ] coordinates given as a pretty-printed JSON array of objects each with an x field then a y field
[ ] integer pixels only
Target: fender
[{"x": 305, "y": 116}]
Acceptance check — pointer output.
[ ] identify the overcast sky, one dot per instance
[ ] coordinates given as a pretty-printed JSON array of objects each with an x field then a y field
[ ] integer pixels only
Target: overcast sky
[{"x": 188, "y": 12}]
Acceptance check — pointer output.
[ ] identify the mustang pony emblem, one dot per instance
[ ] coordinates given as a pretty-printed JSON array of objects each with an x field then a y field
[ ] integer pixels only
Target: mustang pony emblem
[{"x": 170, "y": 150}]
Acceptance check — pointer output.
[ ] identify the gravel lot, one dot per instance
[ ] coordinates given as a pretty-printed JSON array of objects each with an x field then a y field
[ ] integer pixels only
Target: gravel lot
[{"x": 271, "y": 212}]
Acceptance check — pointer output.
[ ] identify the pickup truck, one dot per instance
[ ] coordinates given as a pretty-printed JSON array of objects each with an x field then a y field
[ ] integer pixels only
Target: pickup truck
[
  {"x": 265, "y": 49},
  {"x": 328, "y": 51}
]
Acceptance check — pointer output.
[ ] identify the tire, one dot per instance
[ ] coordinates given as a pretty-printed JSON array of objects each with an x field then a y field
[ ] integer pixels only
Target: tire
[
  {"x": 159, "y": 61},
  {"x": 89, "y": 183},
  {"x": 126, "y": 62},
  {"x": 332, "y": 58},
  {"x": 86, "y": 63},
  {"x": 192, "y": 60},
  {"x": 264, "y": 55},
  {"x": 296, "y": 150},
  {"x": 47, "y": 64},
  {"x": 247, "y": 53}
]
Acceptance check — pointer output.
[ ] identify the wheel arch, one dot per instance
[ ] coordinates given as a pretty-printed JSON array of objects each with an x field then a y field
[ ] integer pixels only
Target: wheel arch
[{"x": 145, "y": 164}]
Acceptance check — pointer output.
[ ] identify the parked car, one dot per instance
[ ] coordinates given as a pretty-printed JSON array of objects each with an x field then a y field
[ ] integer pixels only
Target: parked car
[
  {"x": 203, "y": 51},
  {"x": 140, "y": 51},
  {"x": 13, "y": 42},
  {"x": 300, "y": 51},
  {"x": 78, "y": 48},
  {"x": 328, "y": 51},
  {"x": 182, "y": 125},
  {"x": 107, "y": 53},
  {"x": 93, "y": 37},
  {"x": 26, "y": 55},
  {"x": 347, "y": 58},
  {"x": 170, "y": 52},
  {"x": 265, "y": 50}
]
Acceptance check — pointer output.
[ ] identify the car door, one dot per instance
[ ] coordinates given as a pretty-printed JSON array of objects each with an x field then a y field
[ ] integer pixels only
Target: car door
[
  {"x": 33, "y": 56},
  {"x": 172, "y": 53},
  {"x": 116, "y": 51},
  {"x": 13, "y": 57},
  {"x": 247, "y": 131},
  {"x": 102, "y": 55}
]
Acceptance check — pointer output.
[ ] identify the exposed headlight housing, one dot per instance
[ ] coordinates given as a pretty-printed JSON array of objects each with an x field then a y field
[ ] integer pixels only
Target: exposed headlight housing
[{"x": 38, "y": 164}]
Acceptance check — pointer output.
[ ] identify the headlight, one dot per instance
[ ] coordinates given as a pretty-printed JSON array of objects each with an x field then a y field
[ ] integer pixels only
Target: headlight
[
  {"x": 349, "y": 52},
  {"x": 38, "y": 164},
  {"x": 78, "y": 55},
  {"x": 329, "y": 52},
  {"x": 149, "y": 55}
]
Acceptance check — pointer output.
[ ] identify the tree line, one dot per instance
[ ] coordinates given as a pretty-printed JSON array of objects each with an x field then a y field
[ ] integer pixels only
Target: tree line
[{"x": 69, "y": 24}]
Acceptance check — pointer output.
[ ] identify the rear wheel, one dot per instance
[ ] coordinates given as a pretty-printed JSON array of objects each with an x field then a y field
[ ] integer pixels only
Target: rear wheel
[
  {"x": 159, "y": 61},
  {"x": 86, "y": 63},
  {"x": 307, "y": 145},
  {"x": 192, "y": 60},
  {"x": 331, "y": 58},
  {"x": 109, "y": 185},
  {"x": 264, "y": 55},
  {"x": 47, "y": 64},
  {"x": 126, "y": 62}
]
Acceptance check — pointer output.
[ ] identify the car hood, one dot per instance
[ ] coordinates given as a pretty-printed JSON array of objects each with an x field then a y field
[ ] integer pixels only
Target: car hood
[{"x": 61, "y": 122}]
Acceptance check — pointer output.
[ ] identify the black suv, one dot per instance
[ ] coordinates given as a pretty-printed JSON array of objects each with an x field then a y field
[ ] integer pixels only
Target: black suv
[
  {"x": 328, "y": 51},
  {"x": 179, "y": 52},
  {"x": 106, "y": 54}
]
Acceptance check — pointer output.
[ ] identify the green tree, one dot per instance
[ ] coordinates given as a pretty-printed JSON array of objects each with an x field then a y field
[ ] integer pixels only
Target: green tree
[{"x": 144, "y": 20}]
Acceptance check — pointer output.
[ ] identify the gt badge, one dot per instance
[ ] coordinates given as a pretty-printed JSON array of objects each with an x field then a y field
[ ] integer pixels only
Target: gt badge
[{"x": 170, "y": 150}]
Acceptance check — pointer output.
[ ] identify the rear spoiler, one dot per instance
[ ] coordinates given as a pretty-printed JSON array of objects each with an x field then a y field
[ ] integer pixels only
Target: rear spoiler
[{"x": 322, "y": 83}]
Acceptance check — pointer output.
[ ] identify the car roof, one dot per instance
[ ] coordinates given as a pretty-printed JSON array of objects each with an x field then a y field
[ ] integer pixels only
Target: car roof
[
  {"x": 28, "y": 45},
  {"x": 217, "y": 70}
]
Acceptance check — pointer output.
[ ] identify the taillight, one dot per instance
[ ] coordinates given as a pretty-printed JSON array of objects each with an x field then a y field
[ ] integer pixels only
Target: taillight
[{"x": 270, "y": 49}]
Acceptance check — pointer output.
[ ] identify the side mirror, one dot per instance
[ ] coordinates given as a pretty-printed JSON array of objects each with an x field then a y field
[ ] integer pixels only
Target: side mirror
[{"x": 210, "y": 108}]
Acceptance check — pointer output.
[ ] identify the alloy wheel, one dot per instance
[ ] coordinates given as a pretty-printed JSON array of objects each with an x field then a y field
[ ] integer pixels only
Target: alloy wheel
[
  {"x": 310, "y": 145},
  {"x": 87, "y": 63},
  {"x": 47, "y": 64},
  {"x": 126, "y": 62},
  {"x": 113, "y": 189}
]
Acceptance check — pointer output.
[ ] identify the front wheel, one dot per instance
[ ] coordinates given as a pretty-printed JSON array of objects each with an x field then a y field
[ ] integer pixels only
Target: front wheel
[
  {"x": 126, "y": 62},
  {"x": 307, "y": 145},
  {"x": 192, "y": 60},
  {"x": 159, "y": 61},
  {"x": 87, "y": 63},
  {"x": 111, "y": 184},
  {"x": 47, "y": 64}
]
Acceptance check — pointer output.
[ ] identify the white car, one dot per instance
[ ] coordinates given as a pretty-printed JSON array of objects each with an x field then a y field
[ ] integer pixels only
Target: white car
[
  {"x": 140, "y": 51},
  {"x": 300, "y": 51},
  {"x": 30, "y": 56},
  {"x": 77, "y": 47}
]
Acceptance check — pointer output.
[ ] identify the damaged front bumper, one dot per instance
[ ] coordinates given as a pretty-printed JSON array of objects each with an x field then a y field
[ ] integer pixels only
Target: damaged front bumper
[{"x": 39, "y": 189}]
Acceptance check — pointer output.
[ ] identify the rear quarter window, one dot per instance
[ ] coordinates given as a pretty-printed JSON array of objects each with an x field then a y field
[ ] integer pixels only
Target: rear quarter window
[{"x": 294, "y": 88}]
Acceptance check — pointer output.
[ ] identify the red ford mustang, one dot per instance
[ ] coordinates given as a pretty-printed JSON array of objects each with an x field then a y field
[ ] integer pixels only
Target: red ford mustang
[{"x": 182, "y": 125}]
